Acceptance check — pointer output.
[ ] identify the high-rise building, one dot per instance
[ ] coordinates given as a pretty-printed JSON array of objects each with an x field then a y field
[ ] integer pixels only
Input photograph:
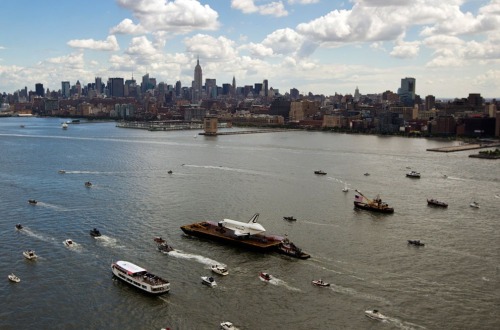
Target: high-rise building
[
  {"x": 145, "y": 83},
  {"x": 233, "y": 87},
  {"x": 357, "y": 95},
  {"x": 211, "y": 88},
  {"x": 407, "y": 91},
  {"x": 39, "y": 90},
  {"x": 116, "y": 87},
  {"x": 78, "y": 88},
  {"x": 197, "y": 83},
  {"x": 178, "y": 88},
  {"x": 65, "y": 89},
  {"x": 98, "y": 85},
  {"x": 430, "y": 102}
]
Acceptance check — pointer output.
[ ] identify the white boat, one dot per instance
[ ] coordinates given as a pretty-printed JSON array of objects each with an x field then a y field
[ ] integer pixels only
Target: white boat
[
  {"x": 220, "y": 269},
  {"x": 69, "y": 243},
  {"x": 208, "y": 280},
  {"x": 14, "y": 278},
  {"x": 376, "y": 315},
  {"x": 320, "y": 283},
  {"x": 346, "y": 188},
  {"x": 140, "y": 277},
  {"x": 30, "y": 254},
  {"x": 474, "y": 204},
  {"x": 227, "y": 326},
  {"x": 64, "y": 126}
]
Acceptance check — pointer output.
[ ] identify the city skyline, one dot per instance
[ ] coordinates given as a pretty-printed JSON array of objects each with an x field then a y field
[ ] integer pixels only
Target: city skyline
[{"x": 318, "y": 46}]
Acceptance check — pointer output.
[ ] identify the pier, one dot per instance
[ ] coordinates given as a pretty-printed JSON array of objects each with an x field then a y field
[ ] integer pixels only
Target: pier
[{"x": 465, "y": 147}]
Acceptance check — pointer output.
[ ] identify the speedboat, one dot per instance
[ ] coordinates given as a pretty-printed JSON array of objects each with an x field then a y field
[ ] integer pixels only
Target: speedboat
[
  {"x": 30, "y": 254},
  {"x": 366, "y": 174},
  {"x": 219, "y": 269},
  {"x": 64, "y": 126},
  {"x": 88, "y": 184},
  {"x": 162, "y": 245},
  {"x": 140, "y": 277},
  {"x": 95, "y": 232},
  {"x": 265, "y": 277},
  {"x": 61, "y": 171},
  {"x": 474, "y": 205},
  {"x": 208, "y": 280},
  {"x": 32, "y": 201},
  {"x": 290, "y": 218},
  {"x": 415, "y": 242},
  {"x": 320, "y": 282},
  {"x": 376, "y": 315},
  {"x": 170, "y": 172},
  {"x": 14, "y": 278},
  {"x": 346, "y": 188},
  {"x": 320, "y": 172},
  {"x": 69, "y": 243},
  {"x": 227, "y": 326},
  {"x": 19, "y": 226}
]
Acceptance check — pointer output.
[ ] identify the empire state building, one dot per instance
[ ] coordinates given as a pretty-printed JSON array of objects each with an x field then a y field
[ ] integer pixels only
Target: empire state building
[{"x": 197, "y": 83}]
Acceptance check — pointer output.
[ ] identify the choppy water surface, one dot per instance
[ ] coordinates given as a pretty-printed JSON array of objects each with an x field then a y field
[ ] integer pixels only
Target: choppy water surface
[{"x": 452, "y": 282}]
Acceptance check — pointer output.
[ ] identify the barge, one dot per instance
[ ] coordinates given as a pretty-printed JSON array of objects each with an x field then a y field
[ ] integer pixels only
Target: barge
[{"x": 246, "y": 235}]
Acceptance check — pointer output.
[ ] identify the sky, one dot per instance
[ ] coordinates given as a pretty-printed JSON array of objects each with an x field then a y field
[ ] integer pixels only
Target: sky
[{"x": 451, "y": 47}]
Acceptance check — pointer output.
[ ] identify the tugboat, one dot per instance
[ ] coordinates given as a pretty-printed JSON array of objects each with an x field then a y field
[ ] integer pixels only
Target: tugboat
[
  {"x": 95, "y": 232},
  {"x": 435, "y": 202},
  {"x": 292, "y": 250},
  {"x": 375, "y": 205}
]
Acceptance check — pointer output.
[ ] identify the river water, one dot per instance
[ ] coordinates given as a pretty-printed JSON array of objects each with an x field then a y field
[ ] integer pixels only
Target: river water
[{"x": 453, "y": 282}]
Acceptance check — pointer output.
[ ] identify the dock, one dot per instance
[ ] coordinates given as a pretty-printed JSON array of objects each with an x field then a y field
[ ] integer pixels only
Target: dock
[
  {"x": 464, "y": 147},
  {"x": 246, "y": 132}
]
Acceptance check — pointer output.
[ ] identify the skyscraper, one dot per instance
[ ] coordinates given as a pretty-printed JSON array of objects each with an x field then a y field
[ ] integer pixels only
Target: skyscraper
[
  {"x": 39, "y": 90},
  {"x": 197, "y": 84},
  {"x": 266, "y": 87},
  {"x": 98, "y": 85},
  {"x": 65, "y": 89},
  {"x": 407, "y": 91}
]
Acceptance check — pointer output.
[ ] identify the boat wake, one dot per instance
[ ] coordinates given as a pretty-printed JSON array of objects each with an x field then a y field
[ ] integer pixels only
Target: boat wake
[
  {"x": 403, "y": 325},
  {"x": 52, "y": 206},
  {"x": 279, "y": 282},
  {"x": 108, "y": 241},
  {"x": 230, "y": 169},
  {"x": 41, "y": 237},
  {"x": 201, "y": 259},
  {"x": 356, "y": 294}
]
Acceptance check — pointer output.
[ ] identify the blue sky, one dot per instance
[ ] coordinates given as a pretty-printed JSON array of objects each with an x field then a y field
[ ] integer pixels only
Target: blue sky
[{"x": 451, "y": 47}]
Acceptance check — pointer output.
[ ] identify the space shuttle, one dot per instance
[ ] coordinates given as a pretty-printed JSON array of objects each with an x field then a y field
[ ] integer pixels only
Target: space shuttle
[{"x": 241, "y": 228}]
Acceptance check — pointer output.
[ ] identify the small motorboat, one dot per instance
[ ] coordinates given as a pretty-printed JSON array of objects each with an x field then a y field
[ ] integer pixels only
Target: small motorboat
[
  {"x": 32, "y": 201},
  {"x": 320, "y": 282},
  {"x": 170, "y": 172},
  {"x": 415, "y": 242},
  {"x": 95, "y": 232},
  {"x": 320, "y": 172},
  {"x": 367, "y": 174},
  {"x": 265, "y": 277},
  {"x": 413, "y": 174},
  {"x": 208, "y": 280},
  {"x": 61, "y": 171},
  {"x": 346, "y": 188},
  {"x": 19, "y": 226},
  {"x": 376, "y": 315},
  {"x": 64, "y": 126},
  {"x": 219, "y": 269},
  {"x": 435, "y": 202},
  {"x": 290, "y": 218},
  {"x": 474, "y": 204},
  {"x": 88, "y": 184},
  {"x": 14, "y": 278},
  {"x": 69, "y": 243},
  {"x": 30, "y": 254},
  {"x": 227, "y": 326},
  {"x": 162, "y": 245}
]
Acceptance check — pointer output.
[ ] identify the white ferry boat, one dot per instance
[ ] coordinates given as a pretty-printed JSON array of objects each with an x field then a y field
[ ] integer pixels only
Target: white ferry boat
[{"x": 140, "y": 277}]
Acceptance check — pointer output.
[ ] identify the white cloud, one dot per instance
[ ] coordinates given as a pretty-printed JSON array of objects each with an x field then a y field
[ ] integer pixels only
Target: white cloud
[
  {"x": 283, "y": 41},
  {"x": 258, "y": 50},
  {"x": 404, "y": 49},
  {"x": 302, "y": 2},
  {"x": 274, "y": 8},
  {"x": 177, "y": 16},
  {"x": 110, "y": 44},
  {"x": 127, "y": 27},
  {"x": 215, "y": 49}
]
